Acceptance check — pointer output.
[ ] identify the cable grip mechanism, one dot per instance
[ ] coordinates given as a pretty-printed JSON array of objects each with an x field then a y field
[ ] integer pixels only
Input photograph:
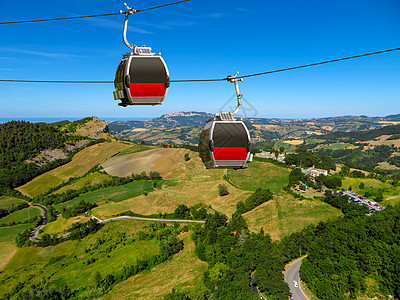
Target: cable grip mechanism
[{"x": 239, "y": 96}]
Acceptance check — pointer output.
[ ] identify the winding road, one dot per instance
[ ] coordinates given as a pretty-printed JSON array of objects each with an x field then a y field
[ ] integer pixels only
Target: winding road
[
  {"x": 148, "y": 219},
  {"x": 34, "y": 234},
  {"x": 292, "y": 273}
]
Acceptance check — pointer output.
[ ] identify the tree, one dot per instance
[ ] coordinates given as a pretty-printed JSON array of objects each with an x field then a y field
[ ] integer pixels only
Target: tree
[
  {"x": 223, "y": 190},
  {"x": 345, "y": 169},
  {"x": 97, "y": 279},
  {"x": 154, "y": 175},
  {"x": 182, "y": 212}
]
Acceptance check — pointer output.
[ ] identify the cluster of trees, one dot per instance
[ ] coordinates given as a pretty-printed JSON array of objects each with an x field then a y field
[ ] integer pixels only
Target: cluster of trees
[
  {"x": 80, "y": 230},
  {"x": 296, "y": 176},
  {"x": 196, "y": 212},
  {"x": 182, "y": 212},
  {"x": 79, "y": 208},
  {"x": 257, "y": 198},
  {"x": 233, "y": 255},
  {"x": 360, "y": 158},
  {"x": 73, "y": 126},
  {"x": 364, "y": 135},
  {"x": 305, "y": 159},
  {"x": 21, "y": 141},
  {"x": 331, "y": 182},
  {"x": 345, "y": 252},
  {"x": 394, "y": 160},
  {"x": 36, "y": 292}
]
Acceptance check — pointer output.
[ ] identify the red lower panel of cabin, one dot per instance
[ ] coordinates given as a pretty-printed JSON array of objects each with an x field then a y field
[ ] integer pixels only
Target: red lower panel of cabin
[
  {"x": 230, "y": 153},
  {"x": 147, "y": 89}
]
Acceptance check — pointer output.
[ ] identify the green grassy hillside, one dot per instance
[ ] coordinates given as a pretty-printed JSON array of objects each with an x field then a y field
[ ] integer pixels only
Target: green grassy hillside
[
  {"x": 21, "y": 215},
  {"x": 111, "y": 248},
  {"x": 7, "y": 202},
  {"x": 114, "y": 194},
  {"x": 260, "y": 174},
  {"x": 81, "y": 163},
  {"x": 74, "y": 263}
]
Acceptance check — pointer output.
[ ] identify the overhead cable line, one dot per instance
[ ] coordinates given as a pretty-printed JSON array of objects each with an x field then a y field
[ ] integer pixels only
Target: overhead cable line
[
  {"x": 320, "y": 63},
  {"x": 90, "y": 16},
  {"x": 55, "y": 81},
  {"x": 208, "y": 80}
]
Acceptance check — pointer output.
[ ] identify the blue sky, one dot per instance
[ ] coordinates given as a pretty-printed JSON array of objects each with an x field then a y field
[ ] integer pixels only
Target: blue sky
[{"x": 205, "y": 39}]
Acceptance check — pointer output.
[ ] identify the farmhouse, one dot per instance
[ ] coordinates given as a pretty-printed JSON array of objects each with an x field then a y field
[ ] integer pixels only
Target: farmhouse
[{"x": 314, "y": 172}]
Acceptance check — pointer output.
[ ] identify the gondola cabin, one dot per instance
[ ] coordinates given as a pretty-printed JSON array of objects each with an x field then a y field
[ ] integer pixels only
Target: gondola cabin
[
  {"x": 142, "y": 78},
  {"x": 225, "y": 144}
]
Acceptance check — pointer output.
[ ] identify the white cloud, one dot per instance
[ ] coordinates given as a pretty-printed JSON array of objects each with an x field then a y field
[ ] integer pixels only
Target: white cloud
[{"x": 40, "y": 53}]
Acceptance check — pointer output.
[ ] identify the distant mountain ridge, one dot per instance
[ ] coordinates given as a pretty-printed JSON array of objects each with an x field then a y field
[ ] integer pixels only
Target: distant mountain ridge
[{"x": 184, "y": 127}]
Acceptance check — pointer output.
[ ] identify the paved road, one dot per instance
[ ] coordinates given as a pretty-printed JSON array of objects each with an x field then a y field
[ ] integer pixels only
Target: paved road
[
  {"x": 148, "y": 219},
  {"x": 34, "y": 234},
  {"x": 292, "y": 273}
]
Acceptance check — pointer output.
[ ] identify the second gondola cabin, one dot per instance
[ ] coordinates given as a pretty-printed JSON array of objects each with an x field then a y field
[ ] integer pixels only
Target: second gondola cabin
[
  {"x": 142, "y": 78},
  {"x": 225, "y": 144}
]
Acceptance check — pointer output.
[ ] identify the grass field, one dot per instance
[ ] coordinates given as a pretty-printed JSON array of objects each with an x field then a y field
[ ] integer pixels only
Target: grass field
[
  {"x": 114, "y": 194},
  {"x": 81, "y": 163},
  {"x": 135, "y": 149},
  {"x": 64, "y": 263},
  {"x": 88, "y": 180},
  {"x": 189, "y": 183},
  {"x": 165, "y": 200},
  {"x": 7, "y": 242},
  {"x": 7, "y": 202},
  {"x": 162, "y": 160},
  {"x": 260, "y": 174},
  {"x": 334, "y": 146},
  {"x": 21, "y": 215},
  {"x": 183, "y": 271},
  {"x": 285, "y": 215}
]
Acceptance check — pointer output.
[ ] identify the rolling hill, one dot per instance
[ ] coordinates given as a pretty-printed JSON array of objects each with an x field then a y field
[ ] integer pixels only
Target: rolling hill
[{"x": 96, "y": 174}]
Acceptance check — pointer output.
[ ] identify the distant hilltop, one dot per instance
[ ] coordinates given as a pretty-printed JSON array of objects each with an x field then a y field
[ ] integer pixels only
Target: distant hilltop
[
  {"x": 185, "y": 114},
  {"x": 175, "y": 119}
]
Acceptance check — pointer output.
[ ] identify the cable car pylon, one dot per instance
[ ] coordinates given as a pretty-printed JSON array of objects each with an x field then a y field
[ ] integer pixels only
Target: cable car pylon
[{"x": 225, "y": 141}]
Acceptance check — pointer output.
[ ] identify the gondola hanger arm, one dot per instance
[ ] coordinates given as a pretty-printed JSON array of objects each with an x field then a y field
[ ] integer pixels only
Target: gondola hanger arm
[
  {"x": 239, "y": 96},
  {"x": 130, "y": 11}
]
